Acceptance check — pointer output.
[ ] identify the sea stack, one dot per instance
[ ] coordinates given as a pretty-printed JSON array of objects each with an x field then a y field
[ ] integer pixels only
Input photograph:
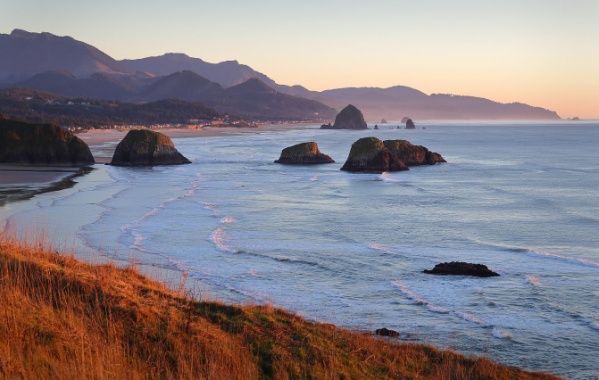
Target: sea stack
[
  {"x": 41, "y": 144},
  {"x": 303, "y": 154},
  {"x": 370, "y": 155},
  {"x": 349, "y": 118},
  {"x": 413, "y": 155},
  {"x": 410, "y": 124},
  {"x": 143, "y": 147}
]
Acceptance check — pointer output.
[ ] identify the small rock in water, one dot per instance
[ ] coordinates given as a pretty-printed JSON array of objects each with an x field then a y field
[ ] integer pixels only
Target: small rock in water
[
  {"x": 386, "y": 332},
  {"x": 458, "y": 268}
]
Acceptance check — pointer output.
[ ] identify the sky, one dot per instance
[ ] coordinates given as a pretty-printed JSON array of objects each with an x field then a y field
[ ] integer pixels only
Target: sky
[{"x": 539, "y": 52}]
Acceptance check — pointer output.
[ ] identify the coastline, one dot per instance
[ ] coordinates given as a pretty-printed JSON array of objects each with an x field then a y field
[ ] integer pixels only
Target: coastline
[{"x": 20, "y": 182}]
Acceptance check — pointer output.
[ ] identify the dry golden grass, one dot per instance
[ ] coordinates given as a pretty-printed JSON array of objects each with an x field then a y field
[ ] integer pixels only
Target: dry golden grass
[{"x": 61, "y": 318}]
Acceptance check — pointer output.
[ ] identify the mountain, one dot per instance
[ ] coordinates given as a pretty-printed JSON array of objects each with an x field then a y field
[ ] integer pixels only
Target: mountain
[
  {"x": 98, "y": 85},
  {"x": 396, "y": 102},
  {"x": 227, "y": 74},
  {"x": 24, "y": 54},
  {"x": 66, "y": 66},
  {"x": 185, "y": 85},
  {"x": 254, "y": 98}
]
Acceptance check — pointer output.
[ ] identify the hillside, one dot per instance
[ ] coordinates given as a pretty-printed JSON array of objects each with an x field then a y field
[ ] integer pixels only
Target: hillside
[
  {"x": 24, "y": 54},
  {"x": 40, "y": 107},
  {"x": 62, "y": 318}
]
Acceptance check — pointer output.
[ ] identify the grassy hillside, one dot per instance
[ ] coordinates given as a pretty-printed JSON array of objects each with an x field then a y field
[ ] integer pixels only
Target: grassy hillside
[{"x": 61, "y": 318}]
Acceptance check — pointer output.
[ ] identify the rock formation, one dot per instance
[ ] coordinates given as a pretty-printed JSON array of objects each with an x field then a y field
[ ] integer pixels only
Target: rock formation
[
  {"x": 349, "y": 118},
  {"x": 386, "y": 332},
  {"x": 410, "y": 124},
  {"x": 413, "y": 155},
  {"x": 458, "y": 268},
  {"x": 41, "y": 144},
  {"x": 370, "y": 155},
  {"x": 143, "y": 147},
  {"x": 303, "y": 154}
]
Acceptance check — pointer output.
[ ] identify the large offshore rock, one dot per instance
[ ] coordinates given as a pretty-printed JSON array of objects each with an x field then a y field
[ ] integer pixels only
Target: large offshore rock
[
  {"x": 370, "y": 155},
  {"x": 143, "y": 147},
  {"x": 41, "y": 144},
  {"x": 303, "y": 154},
  {"x": 349, "y": 118}
]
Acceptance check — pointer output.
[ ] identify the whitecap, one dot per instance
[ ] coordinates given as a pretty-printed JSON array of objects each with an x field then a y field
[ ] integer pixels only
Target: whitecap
[
  {"x": 228, "y": 220},
  {"x": 386, "y": 177},
  {"x": 501, "y": 334},
  {"x": 218, "y": 238},
  {"x": 435, "y": 308},
  {"x": 379, "y": 247},
  {"x": 532, "y": 280}
]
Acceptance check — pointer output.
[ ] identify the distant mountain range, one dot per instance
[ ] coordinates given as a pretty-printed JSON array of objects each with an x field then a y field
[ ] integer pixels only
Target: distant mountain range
[{"x": 65, "y": 66}]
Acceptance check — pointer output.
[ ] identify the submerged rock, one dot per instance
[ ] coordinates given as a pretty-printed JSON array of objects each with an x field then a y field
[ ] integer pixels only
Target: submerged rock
[
  {"x": 459, "y": 268},
  {"x": 349, "y": 118},
  {"x": 369, "y": 154},
  {"x": 303, "y": 154},
  {"x": 143, "y": 147},
  {"x": 413, "y": 155},
  {"x": 41, "y": 144}
]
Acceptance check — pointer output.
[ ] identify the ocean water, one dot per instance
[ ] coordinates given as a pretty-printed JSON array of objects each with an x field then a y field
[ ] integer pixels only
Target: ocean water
[{"x": 349, "y": 249}]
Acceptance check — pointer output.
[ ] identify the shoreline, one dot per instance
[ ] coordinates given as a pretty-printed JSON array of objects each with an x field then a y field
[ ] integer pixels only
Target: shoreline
[{"x": 21, "y": 181}]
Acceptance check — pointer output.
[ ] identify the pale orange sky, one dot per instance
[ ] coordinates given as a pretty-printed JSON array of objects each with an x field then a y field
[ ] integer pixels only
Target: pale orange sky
[{"x": 541, "y": 52}]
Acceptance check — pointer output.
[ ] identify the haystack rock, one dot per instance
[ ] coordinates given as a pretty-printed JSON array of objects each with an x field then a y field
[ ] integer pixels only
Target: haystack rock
[
  {"x": 303, "y": 154},
  {"x": 370, "y": 155},
  {"x": 143, "y": 147},
  {"x": 349, "y": 118},
  {"x": 41, "y": 144},
  {"x": 413, "y": 155},
  {"x": 410, "y": 124},
  {"x": 459, "y": 268}
]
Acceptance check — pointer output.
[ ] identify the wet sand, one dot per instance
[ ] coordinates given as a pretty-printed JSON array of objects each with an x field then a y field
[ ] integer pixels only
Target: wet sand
[{"x": 18, "y": 182}]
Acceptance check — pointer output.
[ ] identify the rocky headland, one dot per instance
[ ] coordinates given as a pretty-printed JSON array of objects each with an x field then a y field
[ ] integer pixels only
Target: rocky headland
[
  {"x": 143, "y": 147},
  {"x": 349, "y": 118},
  {"x": 459, "y": 268},
  {"x": 303, "y": 154},
  {"x": 41, "y": 144}
]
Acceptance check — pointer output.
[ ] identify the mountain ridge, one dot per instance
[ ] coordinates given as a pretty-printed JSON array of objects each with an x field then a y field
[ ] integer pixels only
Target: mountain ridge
[{"x": 128, "y": 79}]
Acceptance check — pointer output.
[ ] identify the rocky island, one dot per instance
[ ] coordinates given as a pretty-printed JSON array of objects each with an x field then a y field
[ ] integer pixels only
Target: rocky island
[
  {"x": 41, "y": 144},
  {"x": 372, "y": 155},
  {"x": 303, "y": 154},
  {"x": 144, "y": 147},
  {"x": 349, "y": 118},
  {"x": 369, "y": 154}
]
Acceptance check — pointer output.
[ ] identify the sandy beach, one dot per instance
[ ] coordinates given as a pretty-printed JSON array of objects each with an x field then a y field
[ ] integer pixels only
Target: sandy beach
[{"x": 19, "y": 182}]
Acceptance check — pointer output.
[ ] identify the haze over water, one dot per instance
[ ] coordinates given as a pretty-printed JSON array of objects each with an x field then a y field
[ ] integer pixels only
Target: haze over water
[{"x": 349, "y": 249}]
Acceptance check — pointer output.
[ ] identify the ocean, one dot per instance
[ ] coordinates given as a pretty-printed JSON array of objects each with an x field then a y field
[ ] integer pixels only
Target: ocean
[{"x": 349, "y": 249}]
